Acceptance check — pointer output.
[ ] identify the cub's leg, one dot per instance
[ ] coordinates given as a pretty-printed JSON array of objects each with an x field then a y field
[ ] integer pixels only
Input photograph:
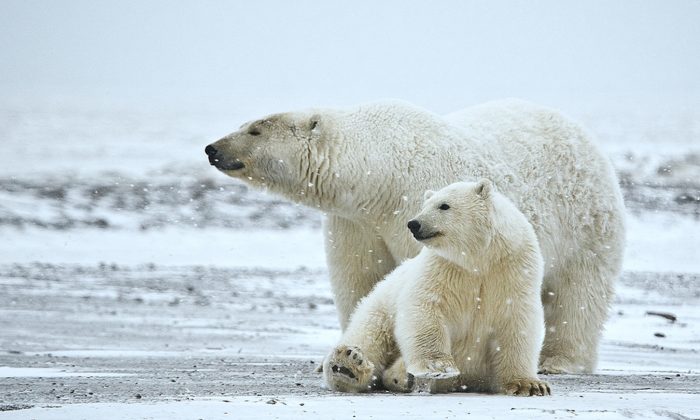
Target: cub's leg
[
  {"x": 425, "y": 343},
  {"x": 347, "y": 369},
  {"x": 367, "y": 345},
  {"x": 515, "y": 349},
  {"x": 396, "y": 378}
]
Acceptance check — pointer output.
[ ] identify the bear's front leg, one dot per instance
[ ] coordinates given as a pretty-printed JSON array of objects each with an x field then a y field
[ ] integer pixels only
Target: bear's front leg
[{"x": 357, "y": 259}]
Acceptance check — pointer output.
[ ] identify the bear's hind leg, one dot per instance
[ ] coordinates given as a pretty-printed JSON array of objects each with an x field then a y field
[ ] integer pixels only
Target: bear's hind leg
[
  {"x": 576, "y": 305},
  {"x": 367, "y": 346},
  {"x": 396, "y": 378}
]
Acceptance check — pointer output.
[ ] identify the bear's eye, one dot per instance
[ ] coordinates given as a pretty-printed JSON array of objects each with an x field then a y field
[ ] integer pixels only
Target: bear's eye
[
  {"x": 254, "y": 132},
  {"x": 444, "y": 206},
  {"x": 314, "y": 124}
]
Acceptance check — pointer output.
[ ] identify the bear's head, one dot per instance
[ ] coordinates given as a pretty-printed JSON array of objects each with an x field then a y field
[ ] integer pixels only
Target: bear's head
[
  {"x": 456, "y": 220},
  {"x": 282, "y": 152}
]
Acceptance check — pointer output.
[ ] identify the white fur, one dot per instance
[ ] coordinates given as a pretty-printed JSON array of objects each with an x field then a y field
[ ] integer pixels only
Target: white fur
[
  {"x": 368, "y": 167},
  {"x": 466, "y": 310}
]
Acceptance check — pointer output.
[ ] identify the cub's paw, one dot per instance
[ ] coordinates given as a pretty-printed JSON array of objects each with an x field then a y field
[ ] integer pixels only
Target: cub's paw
[
  {"x": 396, "y": 379},
  {"x": 558, "y": 365},
  {"x": 527, "y": 387},
  {"x": 442, "y": 368},
  {"x": 347, "y": 370}
]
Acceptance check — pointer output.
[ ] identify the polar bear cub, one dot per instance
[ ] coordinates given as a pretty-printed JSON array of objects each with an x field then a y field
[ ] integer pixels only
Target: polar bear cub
[{"x": 465, "y": 313}]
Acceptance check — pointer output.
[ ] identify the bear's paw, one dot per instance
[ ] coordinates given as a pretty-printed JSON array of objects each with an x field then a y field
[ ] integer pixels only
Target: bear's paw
[
  {"x": 527, "y": 387},
  {"x": 443, "y": 368},
  {"x": 346, "y": 369},
  {"x": 558, "y": 365}
]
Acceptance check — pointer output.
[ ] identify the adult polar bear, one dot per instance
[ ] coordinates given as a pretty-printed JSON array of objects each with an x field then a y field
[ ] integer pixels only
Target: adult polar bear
[{"x": 368, "y": 167}]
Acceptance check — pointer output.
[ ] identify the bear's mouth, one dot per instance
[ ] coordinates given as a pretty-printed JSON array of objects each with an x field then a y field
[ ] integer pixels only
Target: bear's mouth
[
  {"x": 232, "y": 166},
  {"x": 226, "y": 165},
  {"x": 420, "y": 236}
]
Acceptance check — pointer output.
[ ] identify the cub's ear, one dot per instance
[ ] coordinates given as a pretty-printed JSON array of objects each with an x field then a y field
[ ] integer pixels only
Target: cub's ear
[
  {"x": 484, "y": 188},
  {"x": 428, "y": 194}
]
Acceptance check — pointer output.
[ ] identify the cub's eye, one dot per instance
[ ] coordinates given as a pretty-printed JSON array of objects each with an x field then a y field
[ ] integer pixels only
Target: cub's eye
[
  {"x": 254, "y": 132},
  {"x": 314, "y": 124},
  {"x": 444, "y": 206}
]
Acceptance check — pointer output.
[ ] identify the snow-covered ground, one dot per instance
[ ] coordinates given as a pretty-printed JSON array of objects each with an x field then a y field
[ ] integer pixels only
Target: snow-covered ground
[
  {"x": 584, "y": 405},
  {"x": 137, "y": 281}
]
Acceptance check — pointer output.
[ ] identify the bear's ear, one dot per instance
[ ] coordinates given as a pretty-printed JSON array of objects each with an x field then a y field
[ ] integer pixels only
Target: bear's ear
[
  {"x": 483, "y": 188},
  {"x": 315, "y": 123},
  {"x": 428, "y": 194}
]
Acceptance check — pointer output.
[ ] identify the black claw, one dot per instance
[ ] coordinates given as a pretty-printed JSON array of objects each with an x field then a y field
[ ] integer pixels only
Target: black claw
[{"x": 410, "y": 380}]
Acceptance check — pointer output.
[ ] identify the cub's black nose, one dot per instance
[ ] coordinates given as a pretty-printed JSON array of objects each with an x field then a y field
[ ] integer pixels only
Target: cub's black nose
[
  {"x": 210, "y": 150},
  {"x": 414, "y": 226}
]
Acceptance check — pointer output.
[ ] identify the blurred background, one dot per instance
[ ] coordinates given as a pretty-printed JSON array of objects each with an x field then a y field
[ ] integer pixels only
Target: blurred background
[
  {"x": 252, "y": 57},
  {"x": 119, "y": 238}
]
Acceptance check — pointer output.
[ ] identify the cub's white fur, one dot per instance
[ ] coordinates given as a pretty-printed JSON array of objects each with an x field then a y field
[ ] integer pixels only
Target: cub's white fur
[
  {"x": 368, "y": 166},
  {"x": 466, "y": 311}
]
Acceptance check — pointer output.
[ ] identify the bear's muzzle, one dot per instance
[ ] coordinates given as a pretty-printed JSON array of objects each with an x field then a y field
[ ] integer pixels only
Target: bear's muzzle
[{"x": 217, "y": 160}]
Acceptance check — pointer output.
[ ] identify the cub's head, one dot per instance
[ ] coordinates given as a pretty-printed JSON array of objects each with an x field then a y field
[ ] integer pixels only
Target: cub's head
[
  {"x": 457, "y": 218},
  {"x": 280, "y": 152}
]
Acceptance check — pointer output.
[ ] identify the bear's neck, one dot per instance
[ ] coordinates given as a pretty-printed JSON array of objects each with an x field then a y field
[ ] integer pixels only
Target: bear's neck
[
  {"x": 512, "y": 249},
  {"x": 474, "y": 264},
  {"x": 376, "y": 157}
]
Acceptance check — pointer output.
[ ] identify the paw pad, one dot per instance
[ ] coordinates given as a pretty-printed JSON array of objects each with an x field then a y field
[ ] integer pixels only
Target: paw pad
[
  {"x": 348, "y": 370},
  {"x": 343, "y": 371}
]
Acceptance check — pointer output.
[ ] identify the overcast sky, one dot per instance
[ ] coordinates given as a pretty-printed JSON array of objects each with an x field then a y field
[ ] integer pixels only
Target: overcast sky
[{"x": 279, "y": 54}]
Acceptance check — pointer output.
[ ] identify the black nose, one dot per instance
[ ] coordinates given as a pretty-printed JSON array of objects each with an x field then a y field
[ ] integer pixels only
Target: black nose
[
  {"x": 210, "y": 151},
  {"x": 414, "y": 226},
  {"x": 213, "y": 155}
]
